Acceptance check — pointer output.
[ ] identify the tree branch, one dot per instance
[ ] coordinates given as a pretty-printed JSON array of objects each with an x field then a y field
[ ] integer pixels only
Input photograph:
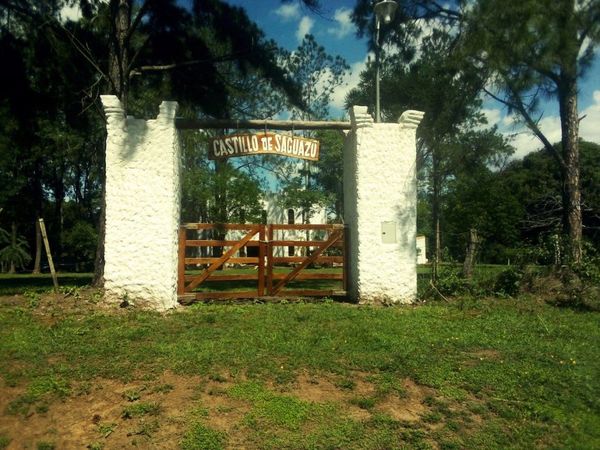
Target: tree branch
[
  {"x": 166, "y": 67},
  {"x": 85, "y": 53},
  {"x": 529, "y": 122},
  {"x": 136, "y": 21}
]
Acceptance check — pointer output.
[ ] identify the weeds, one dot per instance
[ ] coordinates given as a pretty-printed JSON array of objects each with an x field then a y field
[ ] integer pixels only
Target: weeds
[
  {"x": 141, "y": 409},
  {"x": 132, "y": 395},
  {"x": 43, "y": 445},
  {"x": 4, "y": 441},
  {"x": 106, "y": 429},
  {"x": 200, "y": 437}
]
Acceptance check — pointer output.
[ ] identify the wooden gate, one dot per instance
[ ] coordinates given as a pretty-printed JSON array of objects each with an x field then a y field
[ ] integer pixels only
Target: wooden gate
[{"x": 210, "y": 256}]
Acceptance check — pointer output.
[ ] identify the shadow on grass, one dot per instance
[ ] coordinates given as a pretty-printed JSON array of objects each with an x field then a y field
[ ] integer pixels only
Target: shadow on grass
[{"x": 21, "y": 283}]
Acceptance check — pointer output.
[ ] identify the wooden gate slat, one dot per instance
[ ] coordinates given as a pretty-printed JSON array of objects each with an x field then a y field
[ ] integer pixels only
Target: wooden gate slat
[
  {"x": 233, "y": 260},
  {"x": 215, "y": 265},
  {"x": 181, "y": 262},
  {"x": 270, "y": 259},
  {"x": 268, "y": 282},
  {"x": 290, "y": 276},
  {"x": 261, "y": 261}
]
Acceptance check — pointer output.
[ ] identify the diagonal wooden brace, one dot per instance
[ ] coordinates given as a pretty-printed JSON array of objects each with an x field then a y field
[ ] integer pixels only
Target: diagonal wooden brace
[
  {"x": 218, "y": 263},
  {"x": 335, "y": 236}
]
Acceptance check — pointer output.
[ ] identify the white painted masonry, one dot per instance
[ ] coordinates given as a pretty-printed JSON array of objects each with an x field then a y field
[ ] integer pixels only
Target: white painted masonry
[
  {"x": 380, "y": 208},
  {"x": 142, "y": 206}
]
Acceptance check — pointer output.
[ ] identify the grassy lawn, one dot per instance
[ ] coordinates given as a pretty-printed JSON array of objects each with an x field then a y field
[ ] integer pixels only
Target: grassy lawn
[{"x": 485, "y": 373}]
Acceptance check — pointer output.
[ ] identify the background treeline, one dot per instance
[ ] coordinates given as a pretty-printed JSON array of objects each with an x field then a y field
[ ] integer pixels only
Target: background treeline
[{"x": 52, "y": 132}]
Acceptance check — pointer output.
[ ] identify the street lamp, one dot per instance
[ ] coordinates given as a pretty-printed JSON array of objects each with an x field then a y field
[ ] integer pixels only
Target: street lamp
[{"x": 384, "y": 11}]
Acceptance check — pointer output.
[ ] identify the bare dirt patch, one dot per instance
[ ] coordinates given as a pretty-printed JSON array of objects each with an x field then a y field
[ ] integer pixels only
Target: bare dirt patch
[
  {"x": 96, "y": 415},
  {"x": 409, "y": 407}
]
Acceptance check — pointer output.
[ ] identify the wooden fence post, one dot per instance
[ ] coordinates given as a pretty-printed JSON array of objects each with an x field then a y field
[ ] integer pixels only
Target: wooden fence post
[
  {"x": 181, "y": 262},
  {"x": 48, "y": 254}
]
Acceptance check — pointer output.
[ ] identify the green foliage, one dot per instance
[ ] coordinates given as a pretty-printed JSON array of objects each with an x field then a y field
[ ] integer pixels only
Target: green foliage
[
  {"x": 81, "y": 241},
  {"x": 219, "y": 192},
  {"x": 531, "y": 51},
  {"x": 508, "y": 282},
  {"x": 4, "y": 441},
  {"x": 580, "y": 283},
  {"x": 200, "y": 437},
  {"x": 106, "y": 429},
  {"x": 4, "y": 236},
  {"x": 451, "y": 282},
  {"x": 44, "y": 445},
  {"x": 589, "y": 268},
  {"x": 318, "y": 74},
  {"x": 141, "y": 409},
  {"x": 15, "y": 254},
  {"x": 132, "y": 395}
]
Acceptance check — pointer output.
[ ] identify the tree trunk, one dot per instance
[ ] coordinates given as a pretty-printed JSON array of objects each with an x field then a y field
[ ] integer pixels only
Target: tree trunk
[
  {"x": 569, "y": 122},
  {"x": 59, "y": 198},
  {"x": 38, "y": 200},
  {"x": 13, "y": 240},
  {"x": 472, "y": 246},
  {"x": 435, "y": 218},
  {"x": 98, "y": 280},
  {"x": 38, "y": 248},
  {"x": 118, "y": 63},
  {"x": 571, "y": 190}
]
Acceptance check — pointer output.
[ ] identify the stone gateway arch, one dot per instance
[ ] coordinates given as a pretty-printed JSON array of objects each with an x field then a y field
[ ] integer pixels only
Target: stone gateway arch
[{"x": 143, "y": 207}]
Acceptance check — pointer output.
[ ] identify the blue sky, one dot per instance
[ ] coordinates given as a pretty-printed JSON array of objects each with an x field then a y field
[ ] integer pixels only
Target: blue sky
[{"x": 286, "y": 23}]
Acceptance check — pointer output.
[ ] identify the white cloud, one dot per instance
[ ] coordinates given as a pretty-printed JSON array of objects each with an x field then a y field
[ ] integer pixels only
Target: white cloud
[
  {"x": 508, "y": 121},
  {"x": 70, "y": 13},
  {"x": 492, "y": 116},
  {"x": 288, "y": 12},
  {"x": 525, "y": 141},
  {"x": 343, "y": 26},
  {"x": 589, "y": 128},
  {"x": 304, "y": 27},
  {"x": 351, "y": 80}
]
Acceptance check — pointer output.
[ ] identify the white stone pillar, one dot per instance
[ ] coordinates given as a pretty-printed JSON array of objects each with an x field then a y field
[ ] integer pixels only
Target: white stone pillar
[
  {"x": 380, "y": 208},
  {"x": 142, "y": 206}
]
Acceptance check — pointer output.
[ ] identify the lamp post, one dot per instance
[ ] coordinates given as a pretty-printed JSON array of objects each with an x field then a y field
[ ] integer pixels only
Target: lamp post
[{"x": 384, "y": 11}]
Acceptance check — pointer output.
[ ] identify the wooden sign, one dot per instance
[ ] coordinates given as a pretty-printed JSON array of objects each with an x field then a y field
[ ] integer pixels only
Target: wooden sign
[{"x": 263, "y": 143}]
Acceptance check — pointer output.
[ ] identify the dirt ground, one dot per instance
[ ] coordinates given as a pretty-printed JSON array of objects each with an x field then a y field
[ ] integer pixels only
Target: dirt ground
[
  {"x": 101, "y": 413},
  {"x": 94, "y": 414}
]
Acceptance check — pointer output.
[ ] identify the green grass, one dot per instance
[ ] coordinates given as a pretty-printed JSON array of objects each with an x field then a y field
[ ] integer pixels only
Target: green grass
[
  {"x": 141, "y": 409},
  {"x": 4, "y": 441},
  {"x": 200, "y": 437},
  {"x": 528, "y": 370}
]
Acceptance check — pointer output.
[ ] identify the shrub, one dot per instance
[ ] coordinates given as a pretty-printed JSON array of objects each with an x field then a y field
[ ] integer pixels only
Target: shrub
[
  {"x": 80, "y": 242},
  {"x": 508, "y": 282},
  {"x": 451, "y": 282}
]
